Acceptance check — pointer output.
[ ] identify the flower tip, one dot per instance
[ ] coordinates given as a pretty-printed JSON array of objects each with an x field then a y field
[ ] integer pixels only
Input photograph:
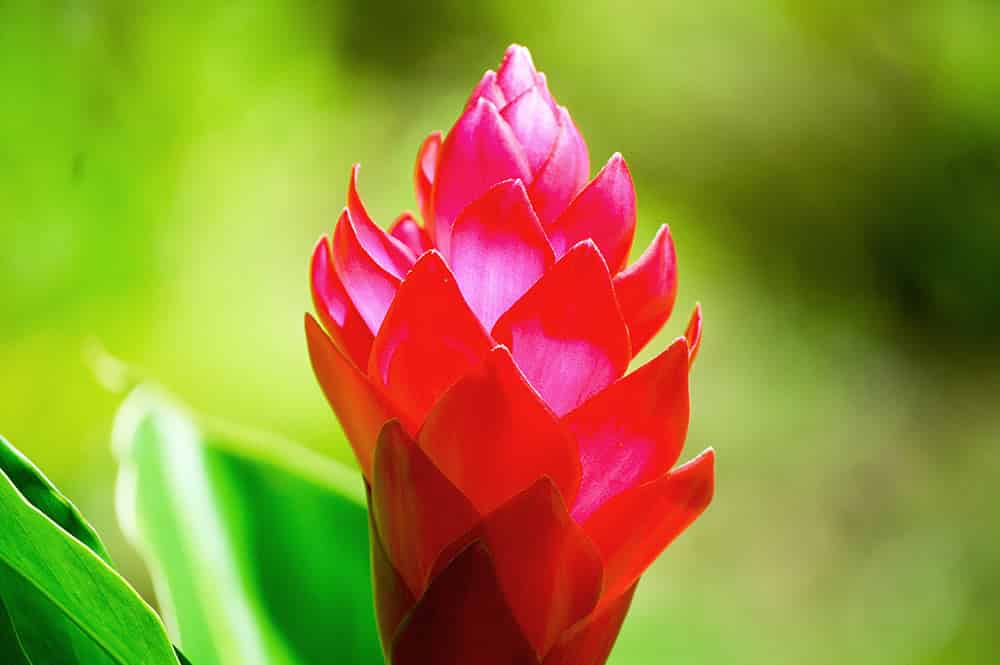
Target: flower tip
[
  {"x": 477, "y": 111},
  {"x": 322, "y": 258},
  {"x": 314, "y": 331},
  {"x": 432, "y": 262},
  {"x": 517, "y": 54},
  {"x": 484, "y": 105},
  {"x": 693, "y": 333},
  {"x": 586, "y": 247},
  {"x": 617, "y": 161},
  {"x": 698, "y": 477},
  {"x": 510, "y": 186},
  {"x": 707, "y": 459},
  {"x": 615, "y": 179},
  {"x": 663, "y": 242},
  {"x": 353, "y": 198},
  {"x": 702, "y": 467},
  {"x": 499, "y": 353},
  {"x": 427, "y": 154},
  {"x": 517, "y": 72},
  {"x": 508, "y": 193},
  {"x": 434, "y": 254},
  {"x": 322, "y": 244},
  {"x": 487, "y": 88},
  {"x": 343, "y": 218}
]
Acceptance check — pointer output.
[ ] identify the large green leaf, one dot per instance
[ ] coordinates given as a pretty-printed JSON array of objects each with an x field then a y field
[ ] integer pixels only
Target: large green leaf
[
  {"x": 60, "y": 600},
  {"x": 258, "y": 548}
]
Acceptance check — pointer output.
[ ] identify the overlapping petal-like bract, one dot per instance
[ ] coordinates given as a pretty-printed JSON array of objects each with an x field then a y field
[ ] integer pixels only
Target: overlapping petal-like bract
[{"x": 520, "y": 480}]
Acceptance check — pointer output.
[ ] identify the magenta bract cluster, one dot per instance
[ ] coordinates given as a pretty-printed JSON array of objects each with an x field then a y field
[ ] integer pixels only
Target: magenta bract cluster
[{"x": 520, "y": 480}]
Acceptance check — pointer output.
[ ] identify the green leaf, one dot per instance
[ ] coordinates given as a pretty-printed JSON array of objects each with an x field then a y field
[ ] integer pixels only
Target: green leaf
[
  {"x": 258, "y": 548},
  {"x": 10, "y": 643},
  {"x": 43, "y": 495},
  {"x": 60, "y": 600},
  {"x": 181, "y": 657}
]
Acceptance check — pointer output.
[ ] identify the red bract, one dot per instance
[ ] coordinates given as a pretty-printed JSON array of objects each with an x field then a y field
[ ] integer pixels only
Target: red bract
[{"x": 519, "y": 480}]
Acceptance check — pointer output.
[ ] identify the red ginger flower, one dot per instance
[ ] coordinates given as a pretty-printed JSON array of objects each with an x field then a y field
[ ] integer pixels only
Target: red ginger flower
[{"x": 519, "y": 481}]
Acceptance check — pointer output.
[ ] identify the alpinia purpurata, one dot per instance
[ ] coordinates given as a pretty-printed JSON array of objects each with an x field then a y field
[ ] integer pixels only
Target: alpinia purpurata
[{"x": 519, "y": 481}]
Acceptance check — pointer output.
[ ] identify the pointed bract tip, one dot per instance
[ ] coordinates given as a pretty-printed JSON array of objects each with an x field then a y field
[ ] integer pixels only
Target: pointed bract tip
[
  {"x": 477, "y": 109},
  {"x": 617, "y": 161},
  {"x": 588, "y": 247},
  {"x": 566, "y": 118},
  {"x": 587, "y": 244},
  {"x": 680, "y": 339},
  {"x": 343, "y": 218},
  {"x": 693, "y": 332},
  {"x": 427, "y": 153},
  {"x": 429, "y": 265},
  {"x": 499, "y": 347},
  {"x": 314, "y": 330},
  {"x": 498, "y": 351},
  {"x": 517, "y": 53},
  {"x": 706, "y": 460},
  {"x": 484, "y": 105},
  {"x": 431, "y": 255},
  {"x": 507, "y": 187},
  {"x": 517, "y": 72},
  {"x": 322, "y": 243},
  {"x": 353, "y": 197},
  {"x": 488, "y": 88},
  {"x": 663, "y": 240},
  {"x": 702, "y": 466},
  {"x": 697, "y": 476},
  {"x": 322, "y": 254},
  {"x": 616, "y": 169}
]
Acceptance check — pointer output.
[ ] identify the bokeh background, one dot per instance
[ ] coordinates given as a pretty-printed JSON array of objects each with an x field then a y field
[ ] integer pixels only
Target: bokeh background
[{"x": 831, "y": 173}]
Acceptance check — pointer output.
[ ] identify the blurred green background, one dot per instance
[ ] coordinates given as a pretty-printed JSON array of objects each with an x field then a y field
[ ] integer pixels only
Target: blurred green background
[{"x": 831, "y": 173}]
